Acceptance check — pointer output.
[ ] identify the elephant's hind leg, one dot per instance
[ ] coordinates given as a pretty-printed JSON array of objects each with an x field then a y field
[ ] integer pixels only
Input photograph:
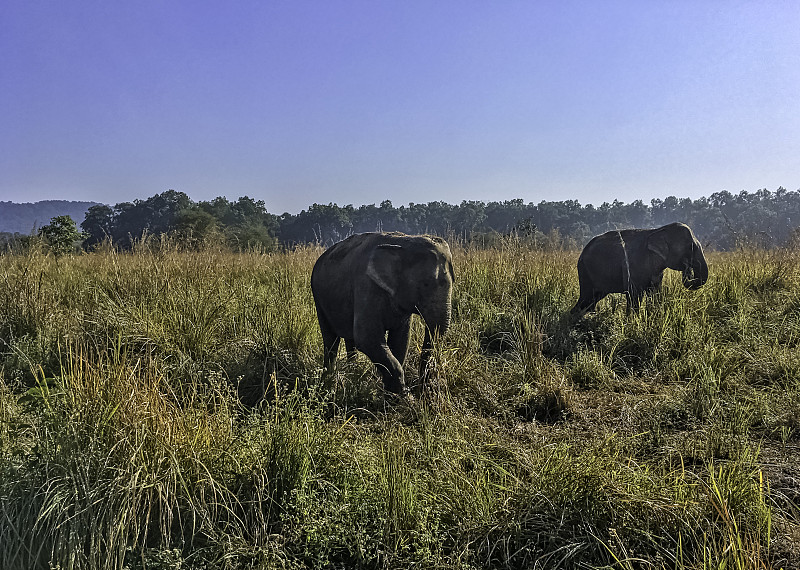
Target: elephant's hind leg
[
  {"x": 330, "y": 343},
  {"x": 350, "y": 345},
  {"x": 582, "y": 306},
  {"x": 588, "y": 296},
  {"x": 586, "y": 302},
  {"x": 331, "y": 350}
]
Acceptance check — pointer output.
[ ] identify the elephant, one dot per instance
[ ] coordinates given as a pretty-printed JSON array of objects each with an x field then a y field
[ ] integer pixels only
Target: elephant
[
  {"x": 633, "y": 262},
  {"x": 367, "y": 287}
]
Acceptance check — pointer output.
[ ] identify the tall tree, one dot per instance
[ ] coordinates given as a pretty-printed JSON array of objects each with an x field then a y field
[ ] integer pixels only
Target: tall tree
[
  {"x": 98, "y": 224},
  {"x": 61, "y": 235}
]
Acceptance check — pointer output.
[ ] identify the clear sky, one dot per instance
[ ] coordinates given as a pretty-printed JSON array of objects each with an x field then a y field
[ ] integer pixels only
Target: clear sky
[{"x": 358, "y": 101}]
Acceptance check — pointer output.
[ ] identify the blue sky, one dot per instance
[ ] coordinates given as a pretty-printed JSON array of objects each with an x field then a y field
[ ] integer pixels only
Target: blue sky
[{"x": 296, "y": 102}]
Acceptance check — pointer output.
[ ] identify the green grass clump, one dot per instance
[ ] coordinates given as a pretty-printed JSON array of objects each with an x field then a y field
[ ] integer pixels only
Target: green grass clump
[{"x": 167, "y": 409}]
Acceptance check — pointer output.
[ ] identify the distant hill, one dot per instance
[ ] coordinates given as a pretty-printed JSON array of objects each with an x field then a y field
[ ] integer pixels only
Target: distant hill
[{"x": 28, "y": 217}]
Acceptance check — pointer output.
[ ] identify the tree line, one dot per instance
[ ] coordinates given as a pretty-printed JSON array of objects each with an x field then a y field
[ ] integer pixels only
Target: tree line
[{"x": 722, "y": 221}]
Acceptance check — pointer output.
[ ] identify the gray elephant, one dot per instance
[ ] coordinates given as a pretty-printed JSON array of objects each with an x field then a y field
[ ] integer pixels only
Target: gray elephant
[
  {"x": 366, "y": 288},
  {"x": 633, "y": 262}
]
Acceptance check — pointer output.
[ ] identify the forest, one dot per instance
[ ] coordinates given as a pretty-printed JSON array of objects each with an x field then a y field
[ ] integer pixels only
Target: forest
[{"x": 722, "y": 221}]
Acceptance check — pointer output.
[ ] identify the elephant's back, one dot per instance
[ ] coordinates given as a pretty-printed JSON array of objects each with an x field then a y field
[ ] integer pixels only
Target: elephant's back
[
  {"x": 599, "y": 245},
  {"x": 344, "y": 251},
  {"x": 336, "y": 265},
  {"x": 614, "y": 239},
  {"x": 603, "y": 253}
]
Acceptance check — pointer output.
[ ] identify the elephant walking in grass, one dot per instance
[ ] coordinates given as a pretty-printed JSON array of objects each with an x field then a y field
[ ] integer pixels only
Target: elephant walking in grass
[
  {"x": 366, "y": 288},
  {"x": 633, "y": 262}
]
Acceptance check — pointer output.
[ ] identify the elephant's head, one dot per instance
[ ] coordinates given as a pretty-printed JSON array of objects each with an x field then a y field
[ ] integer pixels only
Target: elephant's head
[
  {"x": 417, "y": 273},
  {"x": 676, "y": 246}
]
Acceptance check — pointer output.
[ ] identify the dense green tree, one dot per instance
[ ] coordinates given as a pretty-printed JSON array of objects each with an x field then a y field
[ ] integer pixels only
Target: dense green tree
[
  {"x": 244, "y": 224},
  {"x": 61, "y": 235},
  {"x": 195, "y": 226},
  {"x": 321, "y": 223},
  {"x": 154, "y": 216},
  {"x": 98, "y": 224},
  {"x": 469, "y": 217}
]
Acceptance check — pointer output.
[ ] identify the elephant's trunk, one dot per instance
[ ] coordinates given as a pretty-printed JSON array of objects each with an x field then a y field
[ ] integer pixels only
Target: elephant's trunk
[
  {"x": 696, "y": 274},
  {"x": 437, "y": 321}
]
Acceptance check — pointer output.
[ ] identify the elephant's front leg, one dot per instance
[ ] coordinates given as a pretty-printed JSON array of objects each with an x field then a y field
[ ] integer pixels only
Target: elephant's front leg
[
  {"x": 398, "y": 340},
  {"x": 388, "y": 366},
  {"x": 424, "y": 359},
  {"x": 370, "y": 338}
]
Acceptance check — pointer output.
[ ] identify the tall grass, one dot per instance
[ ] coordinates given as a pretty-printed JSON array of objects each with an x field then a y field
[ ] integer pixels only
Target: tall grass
[{"x": 164, "y": 408}]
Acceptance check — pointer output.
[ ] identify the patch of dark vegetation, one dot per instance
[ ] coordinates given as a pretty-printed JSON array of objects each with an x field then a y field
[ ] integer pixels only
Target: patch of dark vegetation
[{"x": 548, "y": 407}]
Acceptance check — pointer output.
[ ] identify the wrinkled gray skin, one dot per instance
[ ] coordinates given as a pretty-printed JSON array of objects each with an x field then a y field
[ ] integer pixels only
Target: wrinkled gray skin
[
  {"x": 633, "y": 262},
  {"x": 366, "y": 288}
]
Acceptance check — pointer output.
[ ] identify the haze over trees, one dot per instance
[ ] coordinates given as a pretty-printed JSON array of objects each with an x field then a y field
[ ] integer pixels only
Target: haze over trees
[
  {"x": 27, "y": 218},
  {"x": 722, "y": 221}
]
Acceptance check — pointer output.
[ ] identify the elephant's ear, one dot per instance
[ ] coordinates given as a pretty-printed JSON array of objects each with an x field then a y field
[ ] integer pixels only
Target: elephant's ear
[
  {"x": 658, "y": 243},
  {"x": 383, "y": 267}
]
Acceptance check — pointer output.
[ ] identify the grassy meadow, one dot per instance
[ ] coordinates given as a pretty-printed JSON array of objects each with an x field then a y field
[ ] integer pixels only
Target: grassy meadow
[{"x": 167, "y": 409}]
